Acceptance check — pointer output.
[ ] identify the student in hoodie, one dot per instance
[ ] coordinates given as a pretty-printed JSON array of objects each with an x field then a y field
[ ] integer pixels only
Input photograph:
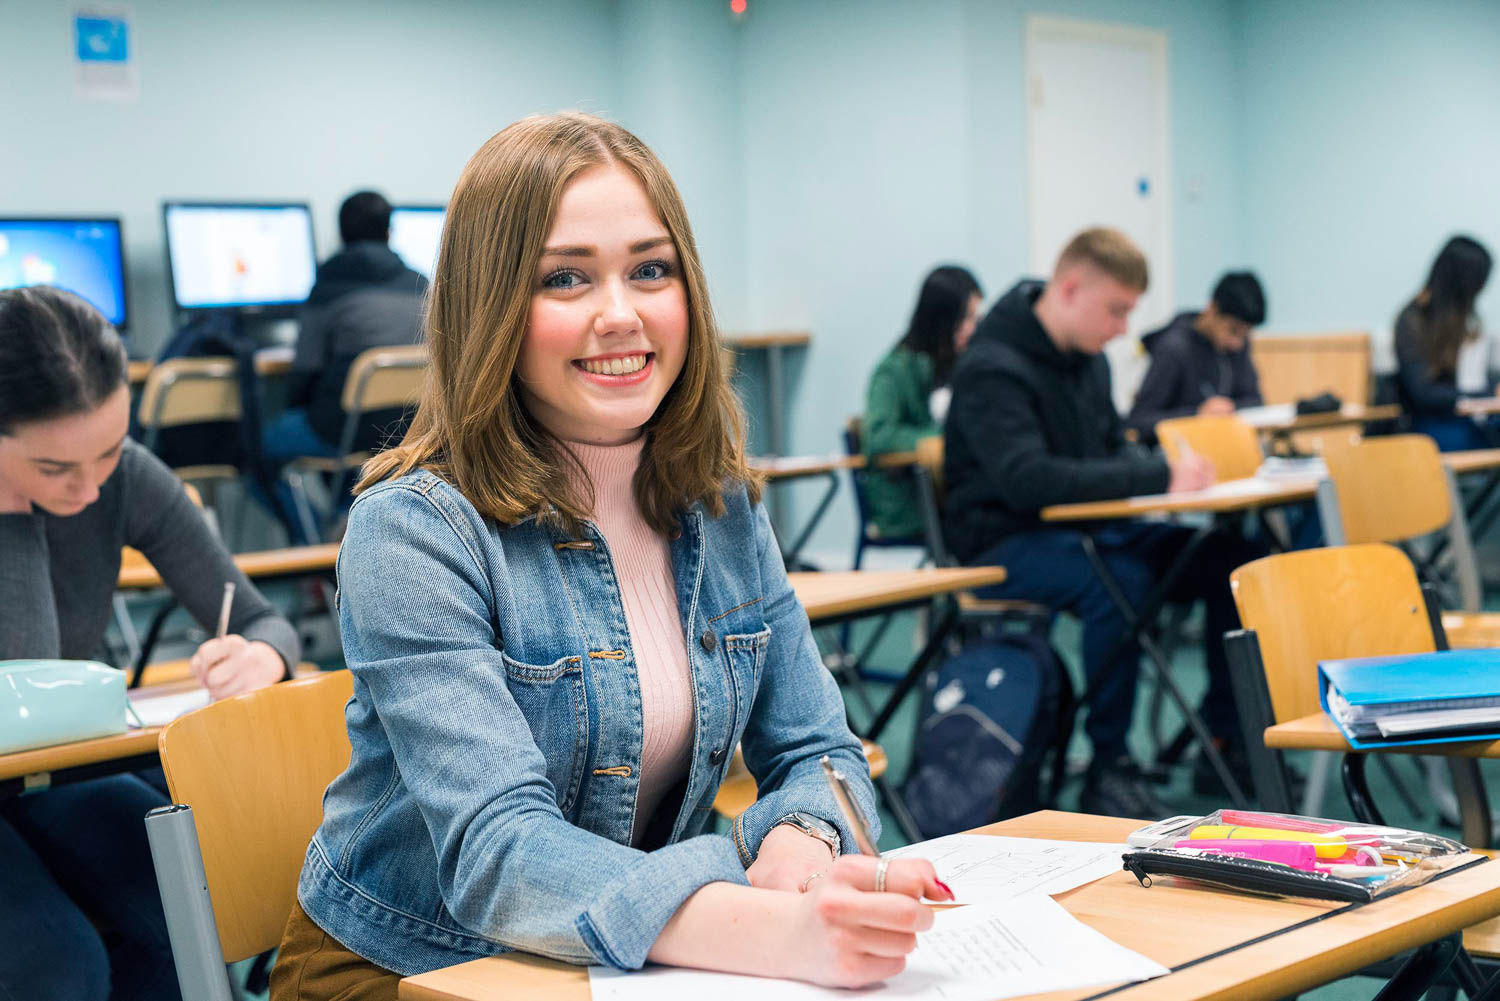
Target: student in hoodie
[
  {"x": 364, "y": 297},
  {"x": 1032, "y": 424},
  {"x": 1200, "y": 362}
]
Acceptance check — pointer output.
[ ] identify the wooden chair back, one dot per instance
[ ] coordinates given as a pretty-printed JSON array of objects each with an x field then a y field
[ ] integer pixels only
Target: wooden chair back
[
  {"x": 385, "y": 377},
  {"x": 1226, "y": 441},
  {"x": 254, "y": 768},
  {"x": 189, "y": 391},
  {"x": 1322, "y": 604},
  {"x": 1293, "y": 367},
  {"x": 1390, "y": 489},
  {"x": 930, "y": 458}
]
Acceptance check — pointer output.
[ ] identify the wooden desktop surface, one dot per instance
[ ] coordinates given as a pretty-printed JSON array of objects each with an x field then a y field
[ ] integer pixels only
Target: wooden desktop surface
[
  {"x": 1273, "y": 950},
  {"x": 1317, "y": 732},
  {"x": 1348, "y": 414},
  {"x": 1277, "y": 491},
  {"x": 835, "y": 593},
  {"x": 790, "y": 467},
  {"x": 259, "y": 565},
  {"x": 773, "y": 339}
]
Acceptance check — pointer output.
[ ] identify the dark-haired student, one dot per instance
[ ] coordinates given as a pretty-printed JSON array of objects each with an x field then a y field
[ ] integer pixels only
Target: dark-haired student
[
  {"x": 1200, "y": 362},
  {"x": 364, "y": 297},
  {"x": 73, "y": 491},
  {"x": 900, "y": 403},
  {"x": 1431, "y": 330},
  {"x": 1033, "y": 424}
]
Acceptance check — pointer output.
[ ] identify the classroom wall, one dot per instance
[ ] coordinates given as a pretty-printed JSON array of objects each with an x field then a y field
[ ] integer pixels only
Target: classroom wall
[
  {"x": 884, "y": 137},
  {"x": 1372, "y": 132},
  {"x": 290, "y": 101}
]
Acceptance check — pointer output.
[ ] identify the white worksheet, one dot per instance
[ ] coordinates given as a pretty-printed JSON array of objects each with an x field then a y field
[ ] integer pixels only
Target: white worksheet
[
  {"x": 982, "y": 953},
  {"x": 980, "y": 869},
  {"x": 159, "y": 710}
]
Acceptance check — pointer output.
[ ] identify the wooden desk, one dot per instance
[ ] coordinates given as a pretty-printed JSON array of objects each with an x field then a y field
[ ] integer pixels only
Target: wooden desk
[
  {"x": 1478, "y": 460},
  {"x": 1221, "y": 498},
  {"x": 269, "y": 564},
  {"x": 1282, "y": 418},
  {"x": 1219, "y": 945},
  {"x": 847, "y": 593}
]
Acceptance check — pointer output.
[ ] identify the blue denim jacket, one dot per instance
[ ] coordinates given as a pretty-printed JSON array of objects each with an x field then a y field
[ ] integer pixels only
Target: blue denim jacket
[{"x": 496, "y": 730}]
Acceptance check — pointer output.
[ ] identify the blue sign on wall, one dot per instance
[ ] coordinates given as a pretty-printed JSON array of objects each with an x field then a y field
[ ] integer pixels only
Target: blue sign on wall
[{"x": 102, "y": 38}]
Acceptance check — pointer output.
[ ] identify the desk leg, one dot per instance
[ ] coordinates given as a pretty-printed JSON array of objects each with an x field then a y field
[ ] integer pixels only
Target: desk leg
[
  {"x": 1358, "y": 790},
  {"x": 1421, "y": 969},
  {"x": 1137, "y": 622},
  {"x": 789, "y": 556},
  {"x": 1473, "y": 802}
]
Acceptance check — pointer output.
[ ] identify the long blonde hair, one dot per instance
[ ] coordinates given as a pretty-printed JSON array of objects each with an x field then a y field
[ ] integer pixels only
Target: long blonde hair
[{"x": 471, "y": 427}]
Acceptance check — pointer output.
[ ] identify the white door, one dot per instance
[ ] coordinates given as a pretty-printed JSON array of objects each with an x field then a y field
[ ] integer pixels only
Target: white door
[{"x": 1097, "y": 130}]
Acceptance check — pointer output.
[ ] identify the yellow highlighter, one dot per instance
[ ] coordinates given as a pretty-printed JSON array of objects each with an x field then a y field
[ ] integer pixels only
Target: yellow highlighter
[{"x": 1328, "y": 846}]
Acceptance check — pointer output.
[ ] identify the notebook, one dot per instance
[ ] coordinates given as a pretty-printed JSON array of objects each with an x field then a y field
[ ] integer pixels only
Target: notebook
[{"x": 1425, "y": 698}]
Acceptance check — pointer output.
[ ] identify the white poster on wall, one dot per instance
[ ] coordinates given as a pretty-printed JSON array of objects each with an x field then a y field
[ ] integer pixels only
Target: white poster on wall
[{"x": 104, "y": 54}]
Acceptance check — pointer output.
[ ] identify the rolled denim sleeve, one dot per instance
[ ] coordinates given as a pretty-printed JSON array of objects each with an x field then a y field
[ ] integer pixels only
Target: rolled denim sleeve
[
  {"x": 416, "y": 611},
  {"x": 798, "y": 716}
]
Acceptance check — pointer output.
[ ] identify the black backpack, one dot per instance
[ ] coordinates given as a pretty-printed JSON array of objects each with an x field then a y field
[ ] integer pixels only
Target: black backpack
[{"x": 995, "y": 717}]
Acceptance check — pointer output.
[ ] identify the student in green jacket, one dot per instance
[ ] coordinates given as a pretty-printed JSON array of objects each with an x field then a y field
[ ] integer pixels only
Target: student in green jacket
[{"x": 907, "y": 398}]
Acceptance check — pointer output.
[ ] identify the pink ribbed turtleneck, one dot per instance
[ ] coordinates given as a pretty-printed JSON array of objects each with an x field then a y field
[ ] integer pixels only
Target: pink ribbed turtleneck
[{"x": 648, "y": 589}]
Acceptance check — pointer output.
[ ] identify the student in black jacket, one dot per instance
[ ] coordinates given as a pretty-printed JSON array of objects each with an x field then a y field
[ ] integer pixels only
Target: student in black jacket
[
  {"x": 1200, "y": 362},
  {"x": 1032, "y": 423},
  {"x": 1430, "y": 332}
]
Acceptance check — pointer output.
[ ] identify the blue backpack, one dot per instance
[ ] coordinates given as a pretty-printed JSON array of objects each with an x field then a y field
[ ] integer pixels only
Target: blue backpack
[{"x": 995, "y": 717}]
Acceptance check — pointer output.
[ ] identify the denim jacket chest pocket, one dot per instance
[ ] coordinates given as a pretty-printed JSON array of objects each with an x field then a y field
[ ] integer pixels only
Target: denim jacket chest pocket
[
  {"x": 744, "y": 638},
  {"x": 554, "y": 701}
]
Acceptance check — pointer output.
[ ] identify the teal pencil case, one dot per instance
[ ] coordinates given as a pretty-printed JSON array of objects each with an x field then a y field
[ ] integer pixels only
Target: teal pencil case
[{"x": 46, "y": 702}]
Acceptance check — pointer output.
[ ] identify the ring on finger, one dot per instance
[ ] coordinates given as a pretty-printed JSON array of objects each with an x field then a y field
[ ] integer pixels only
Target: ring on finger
[
  {"x": 808, "y": 881},
  {"x": 880, "y": 869}
]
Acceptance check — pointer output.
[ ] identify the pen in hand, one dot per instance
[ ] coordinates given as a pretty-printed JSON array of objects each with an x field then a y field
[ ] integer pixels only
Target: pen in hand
[{"x": 224, "y": 608}]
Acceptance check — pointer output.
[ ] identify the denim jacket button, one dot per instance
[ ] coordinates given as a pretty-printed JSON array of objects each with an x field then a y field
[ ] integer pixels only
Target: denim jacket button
[
  {"x": 716, "y": 755},
  {"x": 709, "y": 640}
]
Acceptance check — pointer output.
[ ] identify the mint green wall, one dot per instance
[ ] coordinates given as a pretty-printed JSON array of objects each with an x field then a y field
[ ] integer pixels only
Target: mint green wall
[
  {"x": 1372, "y": 132},
  {"x": 283, "y": 100}
]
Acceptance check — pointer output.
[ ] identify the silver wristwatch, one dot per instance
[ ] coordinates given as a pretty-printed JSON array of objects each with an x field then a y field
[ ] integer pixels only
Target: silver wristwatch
[{"x": 814, "y": 827}]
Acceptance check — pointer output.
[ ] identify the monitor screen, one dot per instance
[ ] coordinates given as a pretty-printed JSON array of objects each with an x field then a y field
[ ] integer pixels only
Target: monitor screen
[
  {"x": 415, "y": 230},
  {"x": 228, "y": 256},
  {"x": 80, "y": 255}
]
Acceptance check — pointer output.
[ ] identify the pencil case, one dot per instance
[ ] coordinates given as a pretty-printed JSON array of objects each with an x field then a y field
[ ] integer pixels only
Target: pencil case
[
  {"x": 46, "y": 702},
  {"x": 1287, "y": 855}
]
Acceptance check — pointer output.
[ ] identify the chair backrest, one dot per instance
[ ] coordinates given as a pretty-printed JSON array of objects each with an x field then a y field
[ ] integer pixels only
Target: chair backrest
[
  {"x": 1390, "y": 489},
  {"x": 253, "y": 768},
  {"x": 1226, "y": 441},
  {"x": 190, "y": 391},
  {"x": 1321, "y": 604},
  {"x": 1292, "y": 367},
  {"x": 385, "y": 377}
]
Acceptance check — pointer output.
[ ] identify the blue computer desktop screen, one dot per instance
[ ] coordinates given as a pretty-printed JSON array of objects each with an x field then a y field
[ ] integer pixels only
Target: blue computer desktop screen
[
  {"x": 415, "y": 232},
  {"x": 229, "y": 256},
  {"x": 80, "y": 255}
]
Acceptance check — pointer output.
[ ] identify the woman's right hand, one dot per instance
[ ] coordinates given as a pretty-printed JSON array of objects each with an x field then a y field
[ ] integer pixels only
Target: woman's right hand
[{"x": 847, "y": 935}]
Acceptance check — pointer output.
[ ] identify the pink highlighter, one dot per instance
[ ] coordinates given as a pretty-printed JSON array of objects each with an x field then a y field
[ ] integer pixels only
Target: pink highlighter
[{"x": 1297, "y": 854}]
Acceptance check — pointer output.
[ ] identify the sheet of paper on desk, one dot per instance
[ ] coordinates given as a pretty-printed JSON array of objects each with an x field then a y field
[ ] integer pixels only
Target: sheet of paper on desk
[
  {"x": 159, "y": 710},
  {"x": 980, "y": 868},
  {"x": 982, "y": 953}
]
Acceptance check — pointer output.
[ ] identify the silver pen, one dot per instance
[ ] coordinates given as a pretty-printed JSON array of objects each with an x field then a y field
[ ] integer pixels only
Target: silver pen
[{"x": 864, "y": 840}]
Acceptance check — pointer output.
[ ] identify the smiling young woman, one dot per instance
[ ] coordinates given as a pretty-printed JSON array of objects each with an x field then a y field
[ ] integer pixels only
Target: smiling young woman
[{"x": 563, "y": 607}]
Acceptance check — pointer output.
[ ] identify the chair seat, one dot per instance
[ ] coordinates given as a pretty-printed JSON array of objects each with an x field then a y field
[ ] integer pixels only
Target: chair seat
[
  {"x": 738, "y": 791},
  {"x": 1472, "y": 630},
  {"x": 971, "y": 604}
]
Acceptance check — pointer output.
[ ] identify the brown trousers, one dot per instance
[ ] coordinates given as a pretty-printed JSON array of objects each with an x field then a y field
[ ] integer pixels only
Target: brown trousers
[{"x": 312, "y": 966}]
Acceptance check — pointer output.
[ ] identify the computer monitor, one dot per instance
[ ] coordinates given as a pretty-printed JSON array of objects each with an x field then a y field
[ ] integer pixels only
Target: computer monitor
[
  {"x": 81, "y": 255},
  {"x": 415, "y": 231},
  {"x": 256, "y": 257}
]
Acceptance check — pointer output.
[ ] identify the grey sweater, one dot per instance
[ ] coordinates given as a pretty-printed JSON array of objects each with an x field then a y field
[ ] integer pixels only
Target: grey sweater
[{"x": 57, "y": 575}]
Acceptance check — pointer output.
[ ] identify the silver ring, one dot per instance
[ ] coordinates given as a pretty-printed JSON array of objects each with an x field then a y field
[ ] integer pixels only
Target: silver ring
[
  {"x": 808, "y": 881},
  {"x": 880, "y": 868}
]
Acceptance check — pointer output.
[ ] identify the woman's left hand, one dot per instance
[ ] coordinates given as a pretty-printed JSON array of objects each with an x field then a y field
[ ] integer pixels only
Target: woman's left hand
[
  {"x": 233, "y": 665},
  {"x": 787, "y": 859}
]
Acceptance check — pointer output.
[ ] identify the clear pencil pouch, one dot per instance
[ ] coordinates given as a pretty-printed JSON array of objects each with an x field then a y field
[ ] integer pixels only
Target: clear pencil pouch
[
  {"x": 45, "y": 702},
  {"x": 1284, "y": 855}
]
